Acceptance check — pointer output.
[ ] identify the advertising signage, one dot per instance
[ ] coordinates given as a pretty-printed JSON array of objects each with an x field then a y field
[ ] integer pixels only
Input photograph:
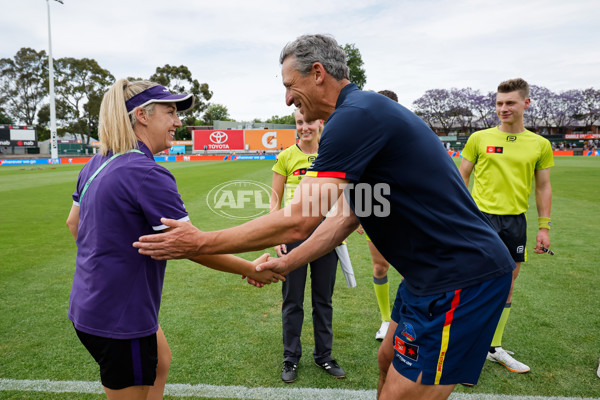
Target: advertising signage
[
  {"x": 269, "y": 139},
  {"x": 18, "y": 136},
  {"x": 582, "y": 136},
  {"x": 218, "y": 140}
]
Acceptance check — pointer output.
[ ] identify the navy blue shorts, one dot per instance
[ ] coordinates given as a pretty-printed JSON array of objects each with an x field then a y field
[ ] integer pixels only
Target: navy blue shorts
[
  {"x": 446, "y": 336},
  {"x": 123, "y": 362}
]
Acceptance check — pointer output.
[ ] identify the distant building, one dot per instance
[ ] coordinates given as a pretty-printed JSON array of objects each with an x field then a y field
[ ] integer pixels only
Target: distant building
[{"x": 71, "y": 144}]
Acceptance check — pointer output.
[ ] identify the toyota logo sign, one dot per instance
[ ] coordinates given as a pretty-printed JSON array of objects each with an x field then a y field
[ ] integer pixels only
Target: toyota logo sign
[{"x": 218, "y": 137}]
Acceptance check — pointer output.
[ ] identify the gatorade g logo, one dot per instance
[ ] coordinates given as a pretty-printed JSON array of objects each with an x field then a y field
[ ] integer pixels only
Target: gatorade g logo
[
  {"x": 511, "y": 138},
  {"x": 269, "y": 140},
  {"x": 492, "y": 149}
]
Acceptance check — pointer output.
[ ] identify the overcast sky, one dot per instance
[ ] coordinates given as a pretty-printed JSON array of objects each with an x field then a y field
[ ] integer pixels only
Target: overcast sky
[{"x": 408, "y": 46}]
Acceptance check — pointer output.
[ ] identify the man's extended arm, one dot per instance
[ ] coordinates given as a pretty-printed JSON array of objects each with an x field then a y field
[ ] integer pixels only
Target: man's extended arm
[
  {"x": 312, "y": 199},
  {"x": 336, "y": 228}
]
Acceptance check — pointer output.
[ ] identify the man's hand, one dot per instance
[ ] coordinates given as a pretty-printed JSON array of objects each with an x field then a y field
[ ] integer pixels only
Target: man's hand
[
  {"x": 542, "y": 239},
  {"x": 278, "y": 265},
  {"x": 183, "y": 240},
  {"x": 261, "y": 278}
]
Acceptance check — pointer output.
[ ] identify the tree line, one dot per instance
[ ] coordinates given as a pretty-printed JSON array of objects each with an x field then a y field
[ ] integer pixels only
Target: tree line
[
  {"x": 80, "y": 85},
  {"x": 467, "y": 110}
]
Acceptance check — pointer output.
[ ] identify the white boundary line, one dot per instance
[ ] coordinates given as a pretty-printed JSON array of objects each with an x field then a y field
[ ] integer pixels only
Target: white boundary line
[{"x": 241, "y": 392}]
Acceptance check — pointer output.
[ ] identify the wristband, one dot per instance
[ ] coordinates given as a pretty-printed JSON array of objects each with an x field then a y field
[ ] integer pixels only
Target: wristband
[{"x": 544, "y": 223}]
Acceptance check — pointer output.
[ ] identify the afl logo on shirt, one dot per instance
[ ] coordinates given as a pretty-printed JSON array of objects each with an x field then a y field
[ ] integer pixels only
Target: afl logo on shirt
[
  {"x": 311, "y": 159},
  {"x": 511, "y": 138},
  {"x": 492, "y": 149}
]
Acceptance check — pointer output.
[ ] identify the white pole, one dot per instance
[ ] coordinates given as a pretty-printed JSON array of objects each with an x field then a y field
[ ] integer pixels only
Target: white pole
[{"x": 53, "y": 144}]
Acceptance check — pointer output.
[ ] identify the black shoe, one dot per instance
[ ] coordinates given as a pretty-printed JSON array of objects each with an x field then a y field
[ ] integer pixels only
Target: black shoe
[
  {"x": 332, "y": 369},
  {"x": 288, "y": 372}
]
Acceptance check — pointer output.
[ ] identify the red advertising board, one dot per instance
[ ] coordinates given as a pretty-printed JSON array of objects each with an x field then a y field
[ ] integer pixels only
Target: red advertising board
[
  {"x": 563, "y": 152},
  {"x": 218, "y": 140}
]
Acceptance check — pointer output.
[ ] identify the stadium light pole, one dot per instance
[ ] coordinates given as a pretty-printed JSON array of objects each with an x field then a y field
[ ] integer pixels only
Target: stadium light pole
[{"x": 53, "y": 144}]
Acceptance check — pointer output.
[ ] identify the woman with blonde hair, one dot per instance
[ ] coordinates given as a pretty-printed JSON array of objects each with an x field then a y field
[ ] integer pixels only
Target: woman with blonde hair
[{"x": 121, "y": 194}]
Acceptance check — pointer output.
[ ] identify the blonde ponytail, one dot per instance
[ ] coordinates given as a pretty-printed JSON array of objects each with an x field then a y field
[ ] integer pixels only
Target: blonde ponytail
[{"x": 115, "y": 126}]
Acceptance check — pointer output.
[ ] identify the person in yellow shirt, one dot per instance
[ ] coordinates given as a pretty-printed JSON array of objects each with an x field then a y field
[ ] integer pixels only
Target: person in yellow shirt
[
  {"x": 505, "y": 160},
  {"x": 291, "y": 166}
]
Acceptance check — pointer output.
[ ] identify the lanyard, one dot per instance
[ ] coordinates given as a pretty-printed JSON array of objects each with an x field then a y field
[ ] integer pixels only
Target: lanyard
[{"x": 87, "y": 184}]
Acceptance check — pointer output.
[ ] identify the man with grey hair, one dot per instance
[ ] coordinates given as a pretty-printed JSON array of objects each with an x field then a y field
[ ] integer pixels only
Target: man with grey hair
[{"x": 410, "y": 199}]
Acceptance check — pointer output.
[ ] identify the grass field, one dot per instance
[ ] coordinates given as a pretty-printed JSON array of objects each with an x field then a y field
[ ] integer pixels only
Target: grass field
[{"x": 225, "y": 332}]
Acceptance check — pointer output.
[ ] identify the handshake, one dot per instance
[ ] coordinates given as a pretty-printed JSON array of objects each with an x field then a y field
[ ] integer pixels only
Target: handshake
[{"x": 267, "y": 270}]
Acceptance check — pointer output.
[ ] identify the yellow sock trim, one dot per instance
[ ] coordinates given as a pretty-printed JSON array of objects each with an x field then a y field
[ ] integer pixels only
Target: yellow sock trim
[
  {"x": 497, "y": 340},
  {"x": 382, "y": 292}
]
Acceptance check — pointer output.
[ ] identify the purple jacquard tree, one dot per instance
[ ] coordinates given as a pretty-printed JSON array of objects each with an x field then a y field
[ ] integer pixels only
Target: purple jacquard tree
[
  {"x": 538, "y": 115},
  {"x": 483, "y": 108},
  {"x": 589, "y": 114},
  {"x": 565, "y": 107},
  {"x": 466, "y": 110},
  {"x": 463, "y": 108},
  {"x": 440, "y": 109}
]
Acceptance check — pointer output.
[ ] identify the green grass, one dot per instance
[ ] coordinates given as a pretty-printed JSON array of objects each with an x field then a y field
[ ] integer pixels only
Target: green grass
[{"x": 225, "y": 332}]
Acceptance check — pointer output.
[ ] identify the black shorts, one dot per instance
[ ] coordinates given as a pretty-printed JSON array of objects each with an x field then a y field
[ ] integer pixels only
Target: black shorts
[
  {"x": 512, "y": 230},
  {"x": 123, "y": 362}
]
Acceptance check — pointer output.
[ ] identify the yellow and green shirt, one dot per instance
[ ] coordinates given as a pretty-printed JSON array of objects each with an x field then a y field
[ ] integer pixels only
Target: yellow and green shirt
[
  {"x": 505, "y": 164},
  {"x": 293, "y": 164}
]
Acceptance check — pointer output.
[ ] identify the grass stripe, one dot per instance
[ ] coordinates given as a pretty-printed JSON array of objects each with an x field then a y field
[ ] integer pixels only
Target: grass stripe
[{"x": 241, "y": 392}]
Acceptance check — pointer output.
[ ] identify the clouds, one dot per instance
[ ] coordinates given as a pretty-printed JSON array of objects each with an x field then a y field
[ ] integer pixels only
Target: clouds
[{"x": 408, "y": 46}]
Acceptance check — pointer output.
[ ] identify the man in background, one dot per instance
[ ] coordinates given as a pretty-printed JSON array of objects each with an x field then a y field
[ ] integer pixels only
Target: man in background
[{"x": 506, "y": 159}]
